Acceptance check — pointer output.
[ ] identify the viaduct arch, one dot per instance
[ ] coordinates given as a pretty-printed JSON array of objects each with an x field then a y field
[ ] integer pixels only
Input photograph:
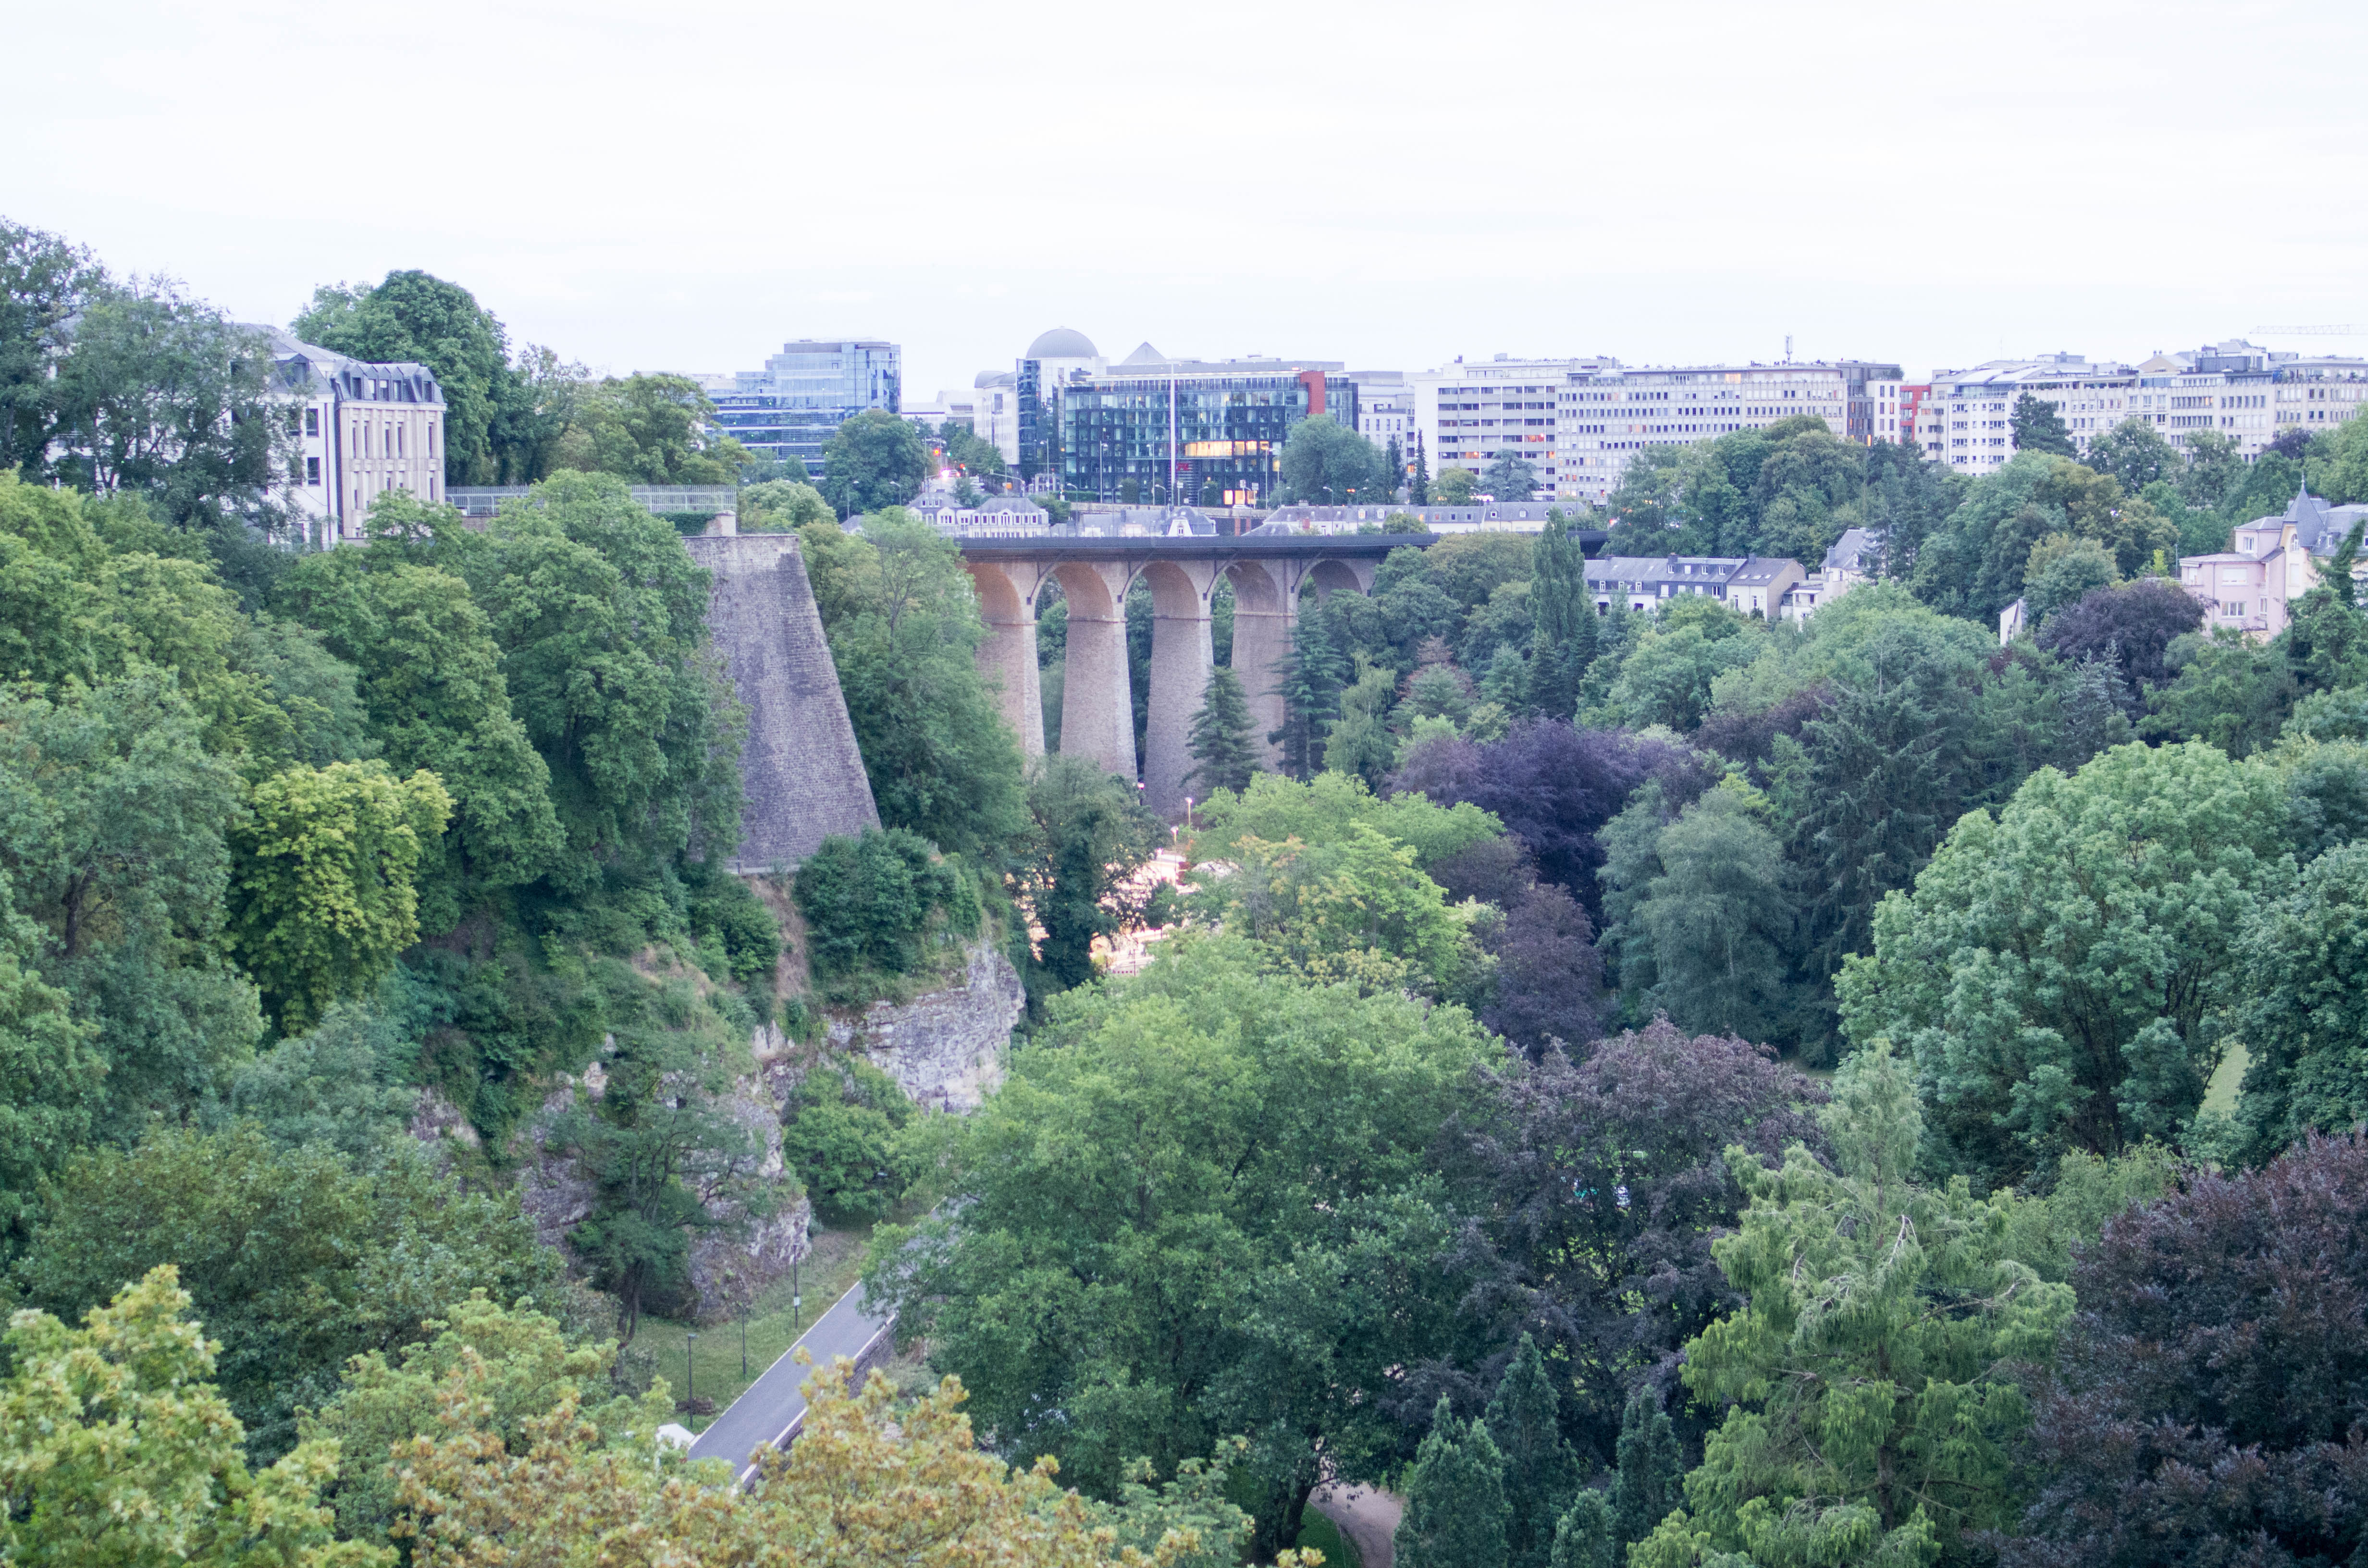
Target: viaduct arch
[{"x": 1096, "y": 573}]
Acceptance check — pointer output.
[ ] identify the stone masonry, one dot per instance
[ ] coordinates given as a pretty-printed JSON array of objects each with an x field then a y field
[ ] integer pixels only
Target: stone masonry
[{"x": 801, "y": 774}]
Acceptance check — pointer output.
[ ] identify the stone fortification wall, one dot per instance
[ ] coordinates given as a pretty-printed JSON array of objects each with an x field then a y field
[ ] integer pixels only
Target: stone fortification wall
[{"x": 801, "y": 775}]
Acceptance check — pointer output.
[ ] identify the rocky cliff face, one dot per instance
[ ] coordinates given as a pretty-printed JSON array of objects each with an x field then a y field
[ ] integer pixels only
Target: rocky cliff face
[{"x": 945, "y": 1047}]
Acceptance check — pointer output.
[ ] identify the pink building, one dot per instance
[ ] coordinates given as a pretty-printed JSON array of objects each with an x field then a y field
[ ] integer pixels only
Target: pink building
[{"x": 2270, "y": 564}]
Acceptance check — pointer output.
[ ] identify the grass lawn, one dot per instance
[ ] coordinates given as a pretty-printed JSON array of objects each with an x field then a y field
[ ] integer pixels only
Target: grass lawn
[
  {"x": 827, "y": 1273},
  {"x": 1321, "y": 1533},
  {"x": 2220, "y": 1095}
]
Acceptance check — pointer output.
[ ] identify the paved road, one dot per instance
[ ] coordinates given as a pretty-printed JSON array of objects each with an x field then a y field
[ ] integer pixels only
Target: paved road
[
  {"x": 1367, "y": 1517},
  {"x": 773, "y": 1406}
]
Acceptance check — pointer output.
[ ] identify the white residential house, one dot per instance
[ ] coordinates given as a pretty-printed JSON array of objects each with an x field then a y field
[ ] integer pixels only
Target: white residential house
[{"x": 362, "y": 430}]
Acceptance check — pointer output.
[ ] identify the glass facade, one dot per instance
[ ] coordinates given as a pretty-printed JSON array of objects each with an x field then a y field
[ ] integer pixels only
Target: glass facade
[
  {"x": 804, "y": 393},
  {"x": 1229, "y": 431}
]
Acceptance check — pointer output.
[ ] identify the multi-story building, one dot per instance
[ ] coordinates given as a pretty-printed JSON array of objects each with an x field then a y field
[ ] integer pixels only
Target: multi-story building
[
  {"x": 1150, "y": 426},
  {"x": 361, "y": 430},
  {"x": 791, "y": 407},
  {"x": 2270, "y": 564},
  {"x": 1038, "y": 384},
  {"x": 1468, "y": 415},
  {"x": 1910, "y": 407},
  {"x": 1968, "y": 414},
  {"x": 1605, "y": 417},
  {"x": 1386, "y": 413},
  {"x": 2247, "y": 392}
]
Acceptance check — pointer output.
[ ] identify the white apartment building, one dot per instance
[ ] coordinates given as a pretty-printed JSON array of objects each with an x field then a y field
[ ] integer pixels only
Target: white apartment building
[
  {"x": 361, "y": 430},
  {"x": 1468, "y": 414},
  {"x": 1605, "y": 417},
  {"x": 2247, "y": 394},
  {"x": 1967, "y": 419},
  {"x": 1385, "y": 410}
]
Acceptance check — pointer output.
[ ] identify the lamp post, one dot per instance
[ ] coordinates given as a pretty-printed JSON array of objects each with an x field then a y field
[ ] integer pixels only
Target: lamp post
[
  {"x": 689, "y": 1375},
  {"x": 744, "y": 1342},
  {"x": 797, "y": 1303}
]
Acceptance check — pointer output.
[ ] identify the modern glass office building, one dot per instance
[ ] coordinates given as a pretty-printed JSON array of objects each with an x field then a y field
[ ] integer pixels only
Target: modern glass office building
[
  {"x": 1179, "y": 429},
  {"x": 790, "y": 408}
]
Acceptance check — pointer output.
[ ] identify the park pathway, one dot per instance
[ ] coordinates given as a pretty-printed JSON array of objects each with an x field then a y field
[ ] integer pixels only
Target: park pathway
[{"x": 1367, "y": 1517}]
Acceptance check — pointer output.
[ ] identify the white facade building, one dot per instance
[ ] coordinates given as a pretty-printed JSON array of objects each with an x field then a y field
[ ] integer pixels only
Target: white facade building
[
  {"x": 361, "y": 430},
  {"x": 1468, "y": 414},
  {"x": 1385, "y": 411},
  {"x": 1968, "y": 421},
  {"x": 1605, "y": 417}
]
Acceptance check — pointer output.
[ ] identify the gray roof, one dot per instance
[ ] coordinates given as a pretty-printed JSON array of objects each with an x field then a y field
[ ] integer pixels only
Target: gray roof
[
  {"x": 2318, "y": 527},
  {"x": 310, "y": 368},
  {"x": 1061, "y": 343},
  {"x": 1850, "y": 552},
  {"x": 1144, "y": 353}
]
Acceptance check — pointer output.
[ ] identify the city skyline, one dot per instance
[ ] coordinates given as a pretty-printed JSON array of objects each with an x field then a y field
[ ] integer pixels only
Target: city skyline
[{"x": 1932, "y": 188}]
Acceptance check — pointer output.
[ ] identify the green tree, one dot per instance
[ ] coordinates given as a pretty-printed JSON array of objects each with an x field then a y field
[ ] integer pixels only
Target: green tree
[
  {"x": 1330, "y": 808},
  {"x": 1326, "y": 463},
  {"x": 112, "y": 817},
  {"x": 50, "y": 1077},
  {"x": 1090, "y": 831},
  {"x": 872, "y": 461},
  {"x": 650, "y": 429},
  {"x": 1222, "y": 740},
  {"x": 2215, "y": 467},
  {"x": 1456, "y": 1515},
  {"x": 1510, "y": 477},
  {"x": 45, "y": 282},
  {"x": 2038, "y": 427},
  {"x": 1652, "y": 1469},
  {"x": 839, "y": 1135},
  {"x": 1541, "y": 1473},
  {"x": 1667, "y": 678},
  {"x": 2061, "y": 570},
  {"x": 519, "y": 1362},
  {"x": 116, "y": 1451},
  {"x": 1359, "y": 742},
  {"x": 296, "y": 1258},
  {"x": 322, "y": 897},
  {"x": 2134, "y": 453},
  {"x": 2061, "y": 972},
  {"x": 1309, "y": 683},
  {"x": 1869, "y": 1419},
  {"x": 869, "y": 902},
  {"x": 1585, "y": 1535},
  {"x": 600, "y": 614},
  {"x": 905, "y": 630},
  {"x": 2304, "y": 1018},
  {"x": 417, "y": 316},
  {"x": 1056, "y": 1294},
  {"x": 1455, "y": 486},
  {"x": 779, "y": 505},
  {"x": 1419, "y": 483},
  {"x": 1717, "y": 918},
  {"x": 2225, "y": 688},
  {"x": 336, "y": 1086}
]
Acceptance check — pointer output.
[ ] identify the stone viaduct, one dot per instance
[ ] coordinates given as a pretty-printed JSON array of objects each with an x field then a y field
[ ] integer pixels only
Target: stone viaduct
[{"x": 1269, "y": 573}]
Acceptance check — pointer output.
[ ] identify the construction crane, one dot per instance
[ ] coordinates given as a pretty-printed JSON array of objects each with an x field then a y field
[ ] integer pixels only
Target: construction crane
[{"x": 2340, "y": 330}]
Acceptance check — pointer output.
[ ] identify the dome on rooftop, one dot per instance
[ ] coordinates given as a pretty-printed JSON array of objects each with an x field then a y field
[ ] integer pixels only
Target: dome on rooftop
[{"x": 1061, "y": 343}]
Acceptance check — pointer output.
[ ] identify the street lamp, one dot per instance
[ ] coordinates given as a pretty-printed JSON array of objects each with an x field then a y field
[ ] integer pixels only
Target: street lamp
[{"x": 689, "y": 1375}]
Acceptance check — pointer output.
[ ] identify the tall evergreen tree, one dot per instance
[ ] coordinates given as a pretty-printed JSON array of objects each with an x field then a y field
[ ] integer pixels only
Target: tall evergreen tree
[
  {"x": 1418, "y": 487},
  {"x": 1393, "y": 458},
  {"x": 1455, "y": 1511},
  {"x": 1587, "y": 1538},
  {"x": 1652, "y": 1470},
  {"x": 2039, "y": 428},
  {"x": 1564, "y": 611},
  {"x": 1312, "y": 678},
  {"x": 1540, "y": 1472},
  {"x": 1222, "y": 739}
]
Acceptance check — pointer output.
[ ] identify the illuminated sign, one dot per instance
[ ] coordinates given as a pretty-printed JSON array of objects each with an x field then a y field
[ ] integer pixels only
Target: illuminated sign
[{"x": 1223, "y": 448}]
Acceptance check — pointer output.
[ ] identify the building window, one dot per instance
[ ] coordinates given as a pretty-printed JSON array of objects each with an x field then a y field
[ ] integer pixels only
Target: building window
[
  {"x": 312, "y": 470},
  {"x": 312, "y": 422}
]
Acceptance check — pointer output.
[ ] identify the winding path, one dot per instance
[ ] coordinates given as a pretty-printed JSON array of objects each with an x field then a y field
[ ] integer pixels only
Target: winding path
[{"x": 1368, "y": 1518}]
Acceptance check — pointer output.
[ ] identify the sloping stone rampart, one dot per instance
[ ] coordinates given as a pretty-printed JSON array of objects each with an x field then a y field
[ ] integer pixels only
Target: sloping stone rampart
[{"x": 801, "y": 777}]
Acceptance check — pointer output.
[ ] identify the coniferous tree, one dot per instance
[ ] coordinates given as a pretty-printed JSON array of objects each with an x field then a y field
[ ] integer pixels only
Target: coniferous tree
[
  {"x": 1221, "y": 740},
  {"x": 2039, "y": 428},
  {"x": 1418, "y": 487},
  {"x": 1393, "y": 455},
  {"x": 1565, "y": 642},
  {"x": 1540, "y": 1472},
  {"x": 1312, "y": 677},
  {"x": 1587, "y": 1536},
  {"x": 1455, "y": 1512},
  {"x": 1652, "y": 1470}
]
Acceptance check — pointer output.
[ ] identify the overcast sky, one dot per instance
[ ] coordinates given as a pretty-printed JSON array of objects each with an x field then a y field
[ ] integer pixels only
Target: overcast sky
[{"x": 647, "y": 186}]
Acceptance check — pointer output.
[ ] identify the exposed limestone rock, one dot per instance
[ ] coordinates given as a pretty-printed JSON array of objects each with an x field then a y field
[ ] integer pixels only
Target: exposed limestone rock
[
  {"x": 435, "y": 1119},
  {"x": 944, "y": 1048}
]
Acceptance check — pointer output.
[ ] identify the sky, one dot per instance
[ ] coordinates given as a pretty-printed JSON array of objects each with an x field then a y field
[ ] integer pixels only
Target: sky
[{"x": 684, "y": 188}]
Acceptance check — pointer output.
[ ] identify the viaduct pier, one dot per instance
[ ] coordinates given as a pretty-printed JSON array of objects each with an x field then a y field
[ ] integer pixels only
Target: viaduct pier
[{"x": 1269, "y": 573}]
